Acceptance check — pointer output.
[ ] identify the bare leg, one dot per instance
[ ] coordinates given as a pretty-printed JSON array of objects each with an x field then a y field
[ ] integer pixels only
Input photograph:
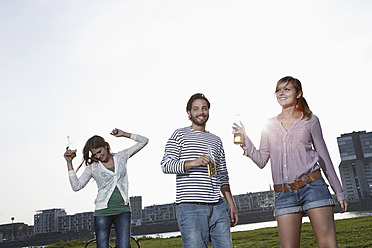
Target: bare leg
[
  {"x": 323, "y": 224},
  {"x": 289, "y": 230}
]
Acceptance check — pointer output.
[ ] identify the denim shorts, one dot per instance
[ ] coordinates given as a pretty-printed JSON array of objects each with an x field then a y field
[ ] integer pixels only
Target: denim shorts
[{"x": 312, "y": 195}]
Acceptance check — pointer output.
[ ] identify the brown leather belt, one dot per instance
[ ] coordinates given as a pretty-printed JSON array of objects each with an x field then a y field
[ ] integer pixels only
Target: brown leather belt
[{"x": 299, "y": 183}]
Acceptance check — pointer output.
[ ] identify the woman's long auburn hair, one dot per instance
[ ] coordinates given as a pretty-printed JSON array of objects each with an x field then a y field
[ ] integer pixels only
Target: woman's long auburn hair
[
  {"x": 93, "y": 143},
  {"x": 302, "y": 103}
]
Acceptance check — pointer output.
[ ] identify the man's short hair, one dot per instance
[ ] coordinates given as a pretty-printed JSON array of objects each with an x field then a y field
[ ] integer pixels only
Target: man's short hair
[{"x": 195, "y": 97}]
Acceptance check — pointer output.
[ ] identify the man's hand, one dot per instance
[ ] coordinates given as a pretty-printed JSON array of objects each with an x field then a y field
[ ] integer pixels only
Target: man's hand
[
  {"x": 225, "y": 190},
  {"x": 203, "y": 160},
  {"x": 234, "y": 216}
]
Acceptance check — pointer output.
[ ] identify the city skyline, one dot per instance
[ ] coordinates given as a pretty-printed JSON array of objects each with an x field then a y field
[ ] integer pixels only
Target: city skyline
[
  {"x": 82, "y": 68},
  {"x": 44, "y": 223}
]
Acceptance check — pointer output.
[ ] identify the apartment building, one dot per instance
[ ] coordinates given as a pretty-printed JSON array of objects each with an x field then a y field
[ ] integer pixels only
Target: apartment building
[
  {"x": 162, "y": 212},
  {"x": 46, "y": 221},
  {"x": 136, "y": 207},
  {"x": 356, "y": 164},
  {"x": 254, "y": 201},
  {"x": 76, "y": 223}
]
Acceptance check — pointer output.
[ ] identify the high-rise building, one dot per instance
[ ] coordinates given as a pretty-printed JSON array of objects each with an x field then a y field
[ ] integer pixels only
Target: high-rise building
[
  {"x": 136, "y": 207},
  {"x": 46, "y": 221},
  {"x": 76, "y": 223},
  {"x": 356, "y": 164}
]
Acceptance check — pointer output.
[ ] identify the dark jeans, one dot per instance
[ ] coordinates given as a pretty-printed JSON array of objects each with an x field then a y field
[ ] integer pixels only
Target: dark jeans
[{"x": 122, "y": 229}]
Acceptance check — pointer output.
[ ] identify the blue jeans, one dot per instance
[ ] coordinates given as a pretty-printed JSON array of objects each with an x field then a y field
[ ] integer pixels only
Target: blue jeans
[
  {"x": 201, "y": 223},
  {"x": 121, "y": 223}
]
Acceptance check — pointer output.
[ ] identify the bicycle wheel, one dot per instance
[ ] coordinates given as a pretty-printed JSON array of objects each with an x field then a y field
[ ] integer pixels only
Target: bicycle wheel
[
  {"x": 92, "y": 244},
  {"x": 134, "y": 242}
]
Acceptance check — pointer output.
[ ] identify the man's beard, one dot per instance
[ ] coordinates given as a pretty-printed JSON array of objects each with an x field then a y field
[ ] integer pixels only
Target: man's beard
[{"x": 197, "y": 122}]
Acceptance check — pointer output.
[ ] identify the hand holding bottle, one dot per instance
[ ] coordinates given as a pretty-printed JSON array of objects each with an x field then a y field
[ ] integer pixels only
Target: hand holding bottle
[
  {"x": 238, "y": 131},
  {"x": 70, "y": 149}
]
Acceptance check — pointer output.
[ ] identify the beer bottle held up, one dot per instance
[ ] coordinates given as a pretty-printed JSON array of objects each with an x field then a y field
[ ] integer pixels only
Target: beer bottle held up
[
  {"x": 71, "y": 147},
  {"x": 238, "y": 134}
]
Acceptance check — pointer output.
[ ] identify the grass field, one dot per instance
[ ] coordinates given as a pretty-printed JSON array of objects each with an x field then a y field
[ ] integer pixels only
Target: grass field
[{"x": 354, "y": 232}]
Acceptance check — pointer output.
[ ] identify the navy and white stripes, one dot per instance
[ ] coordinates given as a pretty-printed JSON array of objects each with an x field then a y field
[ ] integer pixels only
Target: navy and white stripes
[{"x": 195, "y": 185}]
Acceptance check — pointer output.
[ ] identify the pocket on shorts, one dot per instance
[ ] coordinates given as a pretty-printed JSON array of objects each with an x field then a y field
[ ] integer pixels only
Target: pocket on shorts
[
  {"x": 277, "y": 195},
  {"x": 318, "y": 183}
]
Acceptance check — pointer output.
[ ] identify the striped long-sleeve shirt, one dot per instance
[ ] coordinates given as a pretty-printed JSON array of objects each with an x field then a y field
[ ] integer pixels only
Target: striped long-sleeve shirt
[{"x": 195, "y": 185}]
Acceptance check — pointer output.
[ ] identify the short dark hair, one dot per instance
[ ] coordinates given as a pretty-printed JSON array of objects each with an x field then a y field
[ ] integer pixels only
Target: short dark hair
[{"x": 195, "y": 97}]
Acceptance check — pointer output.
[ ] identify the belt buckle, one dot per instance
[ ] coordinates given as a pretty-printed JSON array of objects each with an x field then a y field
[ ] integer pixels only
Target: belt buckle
[{"x": 288, "y": 187}]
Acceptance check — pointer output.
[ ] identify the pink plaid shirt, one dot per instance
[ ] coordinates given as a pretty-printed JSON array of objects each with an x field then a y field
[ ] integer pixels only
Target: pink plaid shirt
[{"x": 294, "y": 153}]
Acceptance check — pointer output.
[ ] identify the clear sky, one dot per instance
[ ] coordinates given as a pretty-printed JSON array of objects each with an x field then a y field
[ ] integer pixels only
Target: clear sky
[{"x": 80, "y": 68}]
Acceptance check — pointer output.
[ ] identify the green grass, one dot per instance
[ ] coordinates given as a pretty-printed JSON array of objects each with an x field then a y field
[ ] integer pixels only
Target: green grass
[{"x": 354, "y": 232}]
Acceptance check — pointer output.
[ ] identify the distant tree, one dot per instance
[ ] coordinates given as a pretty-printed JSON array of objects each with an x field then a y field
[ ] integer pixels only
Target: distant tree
[{"x": 20, "y": 231}]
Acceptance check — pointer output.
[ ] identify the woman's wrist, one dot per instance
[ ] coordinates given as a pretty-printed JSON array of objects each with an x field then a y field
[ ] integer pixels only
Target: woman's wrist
[
  {"x": 126, "y": 134},
  {"x": 69, "y": 165}
]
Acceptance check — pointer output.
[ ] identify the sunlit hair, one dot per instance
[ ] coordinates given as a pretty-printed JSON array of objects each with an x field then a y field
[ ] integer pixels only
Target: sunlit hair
[
  {"x": 195, "y": 97},
  {"x": 93, "y": 143},
  {"x": 302, "y": 104}
]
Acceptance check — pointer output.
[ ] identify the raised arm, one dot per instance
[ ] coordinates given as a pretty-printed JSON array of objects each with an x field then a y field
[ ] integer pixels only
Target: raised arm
[{"x": 141, "y": 141}]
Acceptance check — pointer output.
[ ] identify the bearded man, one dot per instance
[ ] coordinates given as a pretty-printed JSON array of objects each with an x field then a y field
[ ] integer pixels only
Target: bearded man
[{"x": 197, "y": 158}]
